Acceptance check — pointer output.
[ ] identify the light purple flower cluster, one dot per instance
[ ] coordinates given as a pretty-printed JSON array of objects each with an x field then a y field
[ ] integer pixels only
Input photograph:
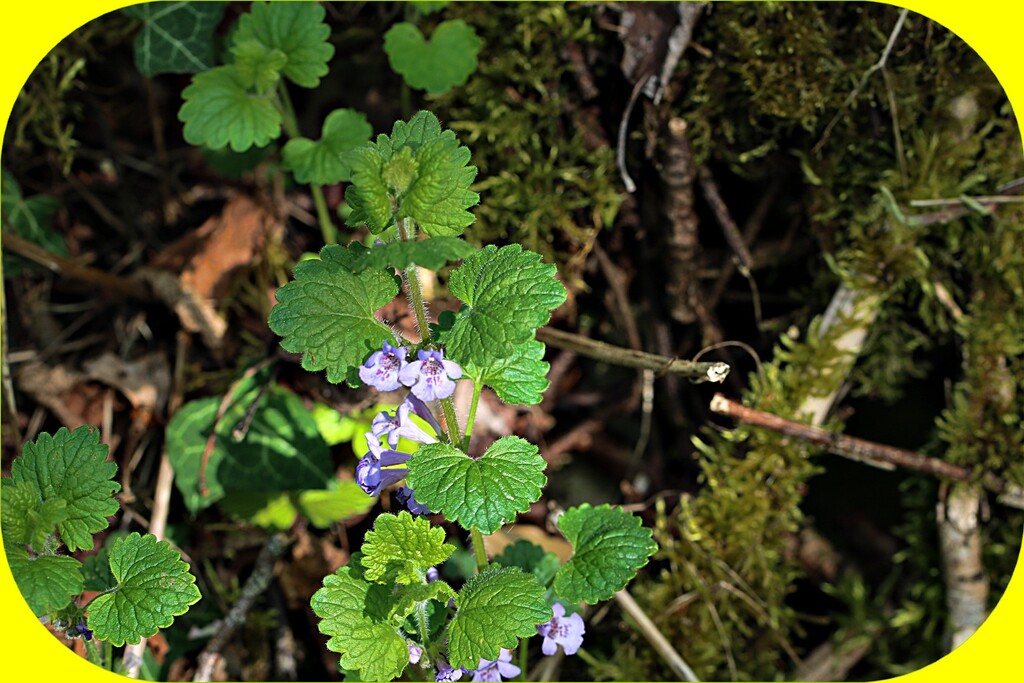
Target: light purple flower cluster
[
  {"x": 498, "y": 670},
  {"x": 429, "y": 378}
]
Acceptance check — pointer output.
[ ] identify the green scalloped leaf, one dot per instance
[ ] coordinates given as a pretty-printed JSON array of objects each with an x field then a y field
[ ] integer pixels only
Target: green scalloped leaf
[
  {"x": 482, "y": 493},
  {"x": 522, "y": 378},
  {"x": 257, "y": 66},
  {"x": 340, "y": 501},
  {"x": 367, "y": 196},
  {"x": 510, "y": 293},
  {"x": 609, "y": 546},
  {"x": 439, "y": 196},
  {"x": 401, "y": 548},
  {"x": 432, "y": 254},
  {"x": 298, "y": 30},
  {"x": 47, "y": 582},
  {"x": 327, "y": 313},
  {"x": 323, "y": 162},
  {"x": 153, "y": 586},
  {"x": 27, "y": 519},
  {"x": 220, "y": 111},
  {"x": 494, "y": 609},
  {"x": 407, "y": 597},
  {"x": 72, "y": 466},
  {"x": 282, "y": 449},
  {"x": 357, "y": 615},
  {"x": 444, "y": 61},
  {"x": 176, "y": 37}
]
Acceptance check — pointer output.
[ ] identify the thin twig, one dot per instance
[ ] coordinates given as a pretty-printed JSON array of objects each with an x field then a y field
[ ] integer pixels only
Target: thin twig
[
  {"x": 255, "y": 586},
  {"x": 861, "y": 450},
  {"x": 661, "y": 365},
  {"x": 957, "y": 201},
  {"x": 880, "y": 64},
  {"x": 620, "y": 148},
  {"x": 655, "y": 636}
]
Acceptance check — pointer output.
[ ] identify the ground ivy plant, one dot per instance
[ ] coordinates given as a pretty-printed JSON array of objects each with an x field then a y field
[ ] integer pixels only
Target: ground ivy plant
[
  {"x": 387, "y": 610},
  {"x": 59, "y": 495}
]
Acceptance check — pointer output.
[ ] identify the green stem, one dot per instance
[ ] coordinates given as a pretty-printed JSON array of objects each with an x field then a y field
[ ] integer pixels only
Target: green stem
[
  {"x": 421, "y": 618},
  {"x": 477, "y": 386},
  {"x": 479, "y": 551},
  {"x": 524, "y": 651},
  {"x": 92, "y": 653},
  {"x": 291, "y": 126},
  {"x": 108, "y": 655}
]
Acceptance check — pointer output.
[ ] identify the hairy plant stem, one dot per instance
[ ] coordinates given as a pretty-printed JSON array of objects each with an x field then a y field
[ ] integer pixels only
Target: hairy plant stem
[
  {"x": 108, "y": 655},
  {"x": 406, "y": 234},
  {"x": 421, "y": 623},
  {"x": 92, "y": 653},
  {"x": 479, "y": 551},
  {"x": 524, "y": 652},
  {"x": 477, "y": 386},
  {"x": 291, "y": 126}
]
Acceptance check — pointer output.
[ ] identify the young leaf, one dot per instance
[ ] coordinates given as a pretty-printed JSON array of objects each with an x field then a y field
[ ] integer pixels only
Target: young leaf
[
  {"x": 281, "y": 451},
  {"x": 530, "y": 557},
  {"x": 445, "y": 61},
  {"x": 510, "y": 294},
  {"x": 72, "y": 466},
  {"x": 153, "y": 586},
  {"x": 176, "y": 37},
  {"x": 367, "y": 196},
  {"x": 432, "y": 254},
  {"x": 522, "y": 378},
  {"x": 481, "y": 493},
  {"x": 298, "y": 30},
  {"x": 323, "y": 162},
  {"x": 402, "y": 548},
  {"x": 327, "y": 313},
  {"x": 494, "y": 609},
  {"x": 48, "y": 582},
  {"x": 422, "y": 128},
  {"x": 27, "y": 519},
  {"x": 439, "y": 197},
  {"x": 219, "y": 110},
  {"x": 357, "y": 616},
  {"x": 408, "y": 596},
  {"x": 258, "y": 67},
  {"x": 609, "y": 546}
]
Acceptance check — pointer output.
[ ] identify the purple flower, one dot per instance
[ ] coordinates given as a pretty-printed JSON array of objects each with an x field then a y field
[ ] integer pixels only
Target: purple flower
[
  {"x": 401, "y": 425},
  {"x": 371, "y": 474},
  {"x": 446, "y": 673},
  {"x": 415, "y": 652},
  {"x": 561, "y": 630},
  {"x": 381, "y": 370},
  {"x": 496, "y": 670},
  {"x": 405, "y": 497},
  {"x": 80, "y": 630},
  {"x": 431, "y": 376}
]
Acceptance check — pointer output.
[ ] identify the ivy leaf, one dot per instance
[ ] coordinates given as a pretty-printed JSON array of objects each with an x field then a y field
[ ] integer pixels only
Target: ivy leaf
[
  {"x": 494, "y": 608},
  {"x": 72, "y": 466},
  {"x": 220, "y": 111},
  {"x": 439, "y": 197},
  {"x": 47, "y": 582},
  {"x": 510, "y": 294},
  {"x": 609, "y": 546},
  {"x": 30, "y": 218},
  {"x": 481, "y": 493},
  {"x": 298, "y": 30},
  {"x": 176, "y": 37},
  {"x": 530, "y": 557},
  {"x": 401, "y": 548},
  {"x": 432, "y": 254},
  {"x": 323, "y": 162},
  {"x": 27, "y": 519},
  {"x": 357, "y": 617},
  {"x": 342, "y": 500},
  {"x": 327, "y": 313},
  {"x": 153, "y": 586},
  {"x": 446, "y": 60},
  {"x": 522, "y": 378},
  {"x": 282, "y": 449}
]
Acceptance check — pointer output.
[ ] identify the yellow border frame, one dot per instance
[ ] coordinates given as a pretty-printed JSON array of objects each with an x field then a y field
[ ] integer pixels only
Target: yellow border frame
[{"x": 29, "y": 31}]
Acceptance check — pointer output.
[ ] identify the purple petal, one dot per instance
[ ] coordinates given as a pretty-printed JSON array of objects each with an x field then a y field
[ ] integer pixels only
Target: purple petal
[
  {"x": 549, "y": 647},
  {"x": 410, "y": 373},
  {"x": 453, "y": 369}
]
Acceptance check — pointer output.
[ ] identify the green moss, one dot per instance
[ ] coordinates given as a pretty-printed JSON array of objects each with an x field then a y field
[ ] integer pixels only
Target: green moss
[{"x": 543, "y": 182}]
